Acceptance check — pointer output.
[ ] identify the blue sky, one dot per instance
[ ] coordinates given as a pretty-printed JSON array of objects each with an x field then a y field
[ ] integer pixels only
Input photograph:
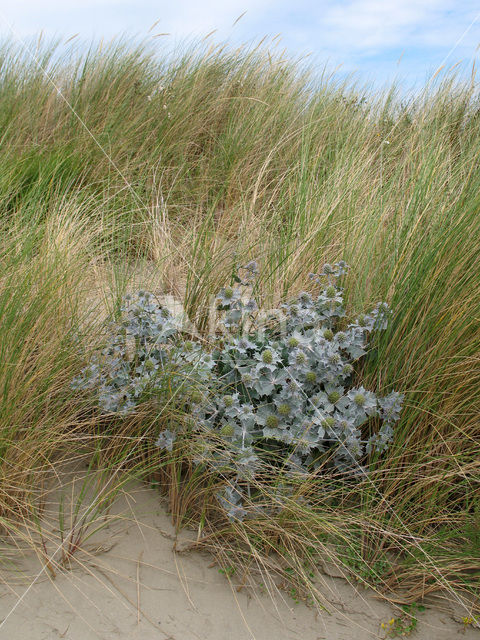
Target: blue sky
[{"x": 378, "y": 40}]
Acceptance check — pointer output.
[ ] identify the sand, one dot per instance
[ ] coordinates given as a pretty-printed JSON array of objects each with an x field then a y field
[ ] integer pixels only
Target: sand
[{"x": 129, "y": 583}]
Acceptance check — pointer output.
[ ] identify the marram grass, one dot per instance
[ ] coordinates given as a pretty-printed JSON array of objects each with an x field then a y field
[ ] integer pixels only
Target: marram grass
[{"x": 189, "y": 166}]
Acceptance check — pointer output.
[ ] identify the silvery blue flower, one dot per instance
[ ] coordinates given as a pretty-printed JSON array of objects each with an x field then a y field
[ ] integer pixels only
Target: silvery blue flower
[
  {"x": 228, "y": 295},
  {"x": 295, "y": 339},
  {"x": 267, "y": 359},
  {"x": 305, "y": 299},
  {"x": 229, "y": 403},
  {"x": 246, "y": 462},
  {"x": 232, "y": 501},
  {"x": 295, "y": 464},
  {"x": 329, "y": 398},
  {"x": 268, "y": 417},
  {"x": 165, "y": 440},
  {"x": 381, "y": 314},
  {"x": 391, "y": 406},
  {"x": 242, "y": 345},
  {"x": 306, "y": 441},
  {"x": 363, "y": 400},
  {"x": 251, "y": 306},
  {"x": 246, "y": 416},
  {"x": 251, "y": 266}
]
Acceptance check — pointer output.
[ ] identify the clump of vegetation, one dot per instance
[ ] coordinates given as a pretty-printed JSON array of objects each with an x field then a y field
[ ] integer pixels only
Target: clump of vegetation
[
  {"x": 405, "y": 623},
  {"x": 284, "y": 391}
]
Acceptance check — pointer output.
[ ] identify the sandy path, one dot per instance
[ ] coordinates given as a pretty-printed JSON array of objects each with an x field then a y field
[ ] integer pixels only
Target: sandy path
[{"x": 141, "y": 589}]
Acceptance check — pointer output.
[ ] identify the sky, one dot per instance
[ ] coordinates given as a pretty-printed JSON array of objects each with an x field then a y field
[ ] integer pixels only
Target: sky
[{"x": 377, "y": 41}]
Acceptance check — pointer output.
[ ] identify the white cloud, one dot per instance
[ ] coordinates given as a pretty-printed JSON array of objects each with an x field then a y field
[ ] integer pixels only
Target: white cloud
[
  {"x": 181, "y": 18},
  {"x": 58, "y": 5},
  {"x": 352, "y": 32},
  {"x": 375, "y": 24},
  {"x": 200, "y": 17}
]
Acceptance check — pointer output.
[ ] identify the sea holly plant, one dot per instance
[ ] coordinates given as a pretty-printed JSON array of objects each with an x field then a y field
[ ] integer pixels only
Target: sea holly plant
[
  {"x": 283, "y": 392},
  {"x": 141, "y": 349}
]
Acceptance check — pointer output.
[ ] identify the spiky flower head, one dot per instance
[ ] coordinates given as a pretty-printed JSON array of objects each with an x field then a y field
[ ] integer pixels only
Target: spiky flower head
[
  {"x": 227, "y": 430},
  {"x": 246, "y": 409},
  {"x": 347, "y": 369},
  {"x": 251, "y": 266},
  {"x": 228, "y": 401},
  {"x": 311, "y": 377},
  {"x": 243, "y": 343},
  {"x": 359, "y": 399},
  {"x": 328, "y": 423},
  {"x": 293, "y": 386},
  {"x": 335, "y": 358},
  {"x": 228, "y": 293},
  {"x": 267, "y": 356},
  {"x": 333, "y": 397},
  {"x": 284, "y": 409},
  {"x": 328, "y": 334},
  {"x": 271, "y": 422},
  {"x": 293, "y": 342},
  {"x": 300, "y": 358},
  {"x": 330, "y": 291}
]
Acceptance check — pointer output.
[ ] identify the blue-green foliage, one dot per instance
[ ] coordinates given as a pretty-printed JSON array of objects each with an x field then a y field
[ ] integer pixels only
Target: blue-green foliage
[{"x": 285, "y": 387}]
